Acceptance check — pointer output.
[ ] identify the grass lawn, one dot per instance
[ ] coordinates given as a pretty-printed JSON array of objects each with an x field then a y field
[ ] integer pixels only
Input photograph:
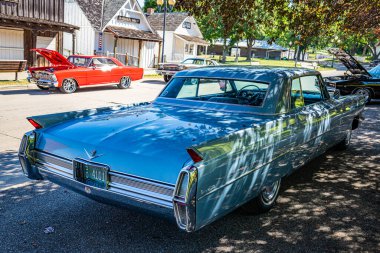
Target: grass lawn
[{"x": 13, "y": 82}]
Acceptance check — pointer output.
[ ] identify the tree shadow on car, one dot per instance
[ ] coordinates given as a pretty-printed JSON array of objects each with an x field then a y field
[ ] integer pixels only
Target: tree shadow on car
[{"x": 330, "y": 204}]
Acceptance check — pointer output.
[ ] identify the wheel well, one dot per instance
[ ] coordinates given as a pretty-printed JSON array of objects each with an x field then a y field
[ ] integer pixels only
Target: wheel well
[{"x": 355, "y": 122}]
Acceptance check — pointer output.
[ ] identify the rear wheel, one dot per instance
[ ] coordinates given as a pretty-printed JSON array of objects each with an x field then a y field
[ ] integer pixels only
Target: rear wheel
[
  {"x": 364, "y": 92},
  {"x": 125, "y": 82},
  {"x": 167, "y": 78},
  {"x": 265, "y": 201},
  {"x": 68, "y": 86}
]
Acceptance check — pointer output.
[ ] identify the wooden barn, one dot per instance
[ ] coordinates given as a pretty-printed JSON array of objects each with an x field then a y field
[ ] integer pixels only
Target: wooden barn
[{"x": 26, "y": 24}]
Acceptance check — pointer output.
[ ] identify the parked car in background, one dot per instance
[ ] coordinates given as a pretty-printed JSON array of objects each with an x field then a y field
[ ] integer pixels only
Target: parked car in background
[
  {"x": 357, "y": 80},
  {"x": 214, "y": 140},
  {"x": 169, "y": 69},
  {"x": 375, "y": 72},
  {"x": 68, "y": 74},
  {"x": 374, "y": 63}
]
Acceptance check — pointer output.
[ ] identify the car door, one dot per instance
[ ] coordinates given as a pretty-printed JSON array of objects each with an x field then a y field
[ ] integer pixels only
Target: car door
[
  {"x": 312, "y": 119},
  {"x": 99, "y": 72},
  {"x": 117, "y": 72}
]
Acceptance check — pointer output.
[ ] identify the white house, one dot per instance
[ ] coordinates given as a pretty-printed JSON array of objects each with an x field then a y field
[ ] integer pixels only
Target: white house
[
  {"x": 183, "y": 38},
  {"x": 116, "y": 28}
]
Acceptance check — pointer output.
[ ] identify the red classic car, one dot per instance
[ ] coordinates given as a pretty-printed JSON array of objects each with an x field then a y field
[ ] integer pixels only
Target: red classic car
[{"x": 68, "y": 74}]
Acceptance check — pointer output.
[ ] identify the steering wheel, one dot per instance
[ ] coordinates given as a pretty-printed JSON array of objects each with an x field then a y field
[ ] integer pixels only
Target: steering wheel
[{"x": 249, "y": 97}]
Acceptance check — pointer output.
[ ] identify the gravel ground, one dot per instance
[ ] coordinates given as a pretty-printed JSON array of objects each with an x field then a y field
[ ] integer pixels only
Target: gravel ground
[{"x": 330, "y": 205}]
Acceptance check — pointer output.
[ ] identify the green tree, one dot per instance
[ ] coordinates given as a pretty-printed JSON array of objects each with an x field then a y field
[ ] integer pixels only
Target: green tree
[{"x": 149, "y": 4}]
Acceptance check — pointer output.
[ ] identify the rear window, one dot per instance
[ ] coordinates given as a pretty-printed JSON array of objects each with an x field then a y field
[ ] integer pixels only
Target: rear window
[{"x": 217, "y": 91}]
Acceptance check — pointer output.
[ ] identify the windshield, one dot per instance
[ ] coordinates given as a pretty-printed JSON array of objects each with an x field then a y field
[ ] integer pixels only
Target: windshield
[
  {"x": 193, "y": 61},
  {"x": 217, "y": 91},
  {"x": 375, "y": 72},
  {"x": 79, "y": 61}
]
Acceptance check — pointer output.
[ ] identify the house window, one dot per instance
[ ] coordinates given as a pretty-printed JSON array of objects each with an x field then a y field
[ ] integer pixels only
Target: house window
[
  {"x": 186, "y": 48},
  {"x": 186, "y": 25},
  {"x": 191, "y": 50}
]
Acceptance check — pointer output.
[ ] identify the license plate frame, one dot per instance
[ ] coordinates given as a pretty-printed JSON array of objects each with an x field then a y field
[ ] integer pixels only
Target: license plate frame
[{"x": 90, "y": 173}]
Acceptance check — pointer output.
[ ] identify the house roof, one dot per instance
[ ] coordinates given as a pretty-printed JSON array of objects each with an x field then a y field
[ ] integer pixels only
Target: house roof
[
  {"x": 193, "y": 39},
  {"x": 133, "y": 34},
  {"x": 173, "y": 20},
  {"x": 18, "y": 21},
  {"x": 93, "y": 10}
]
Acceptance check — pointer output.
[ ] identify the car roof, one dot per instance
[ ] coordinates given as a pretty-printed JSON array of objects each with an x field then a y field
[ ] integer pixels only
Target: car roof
[{"x": 264, "y": 73}]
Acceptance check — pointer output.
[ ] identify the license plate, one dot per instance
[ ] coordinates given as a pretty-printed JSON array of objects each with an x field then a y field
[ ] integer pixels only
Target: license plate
[{"x": 90, "y": 173}]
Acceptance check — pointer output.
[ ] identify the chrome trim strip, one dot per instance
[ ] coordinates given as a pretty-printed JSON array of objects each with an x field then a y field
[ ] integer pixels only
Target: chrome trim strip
[{"x": 134, "y": 187}]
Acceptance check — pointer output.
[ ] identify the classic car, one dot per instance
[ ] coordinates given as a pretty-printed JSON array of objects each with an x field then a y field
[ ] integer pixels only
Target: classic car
[
  {"x": 169, "y": 69},
  {"x": 358, "y": 81},
  {"x": 375, "y": 72},
  {"x": 214, "y": 140},
  {"x": 68, "y": 74}
]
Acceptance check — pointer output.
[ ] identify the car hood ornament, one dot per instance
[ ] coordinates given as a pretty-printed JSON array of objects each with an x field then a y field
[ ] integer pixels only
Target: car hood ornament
[{"x": 92, "y": 155}]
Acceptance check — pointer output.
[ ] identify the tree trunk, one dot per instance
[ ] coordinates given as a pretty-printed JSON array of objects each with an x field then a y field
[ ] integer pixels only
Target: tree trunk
[
  {"x": 225, "y": 49},
  {"x": 299, "y": 50},
  {"x": 373, "y": 49},
  {"x": 250, "y": 42},
  {"x": 295, "y": 52},
  {"x": 364, "y": 50}
]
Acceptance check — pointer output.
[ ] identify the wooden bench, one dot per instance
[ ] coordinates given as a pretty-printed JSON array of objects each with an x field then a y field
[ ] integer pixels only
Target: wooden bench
[{"x": 12, "y": 66}]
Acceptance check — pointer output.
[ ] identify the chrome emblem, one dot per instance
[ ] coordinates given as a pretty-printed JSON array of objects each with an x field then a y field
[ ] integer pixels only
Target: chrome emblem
[{"x": 92, "y": 154}]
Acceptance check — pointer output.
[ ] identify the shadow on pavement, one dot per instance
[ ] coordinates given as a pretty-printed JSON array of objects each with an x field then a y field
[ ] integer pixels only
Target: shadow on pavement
[
  {"x": 331, "y": 204},
  {"x": 154, "y": 81}
]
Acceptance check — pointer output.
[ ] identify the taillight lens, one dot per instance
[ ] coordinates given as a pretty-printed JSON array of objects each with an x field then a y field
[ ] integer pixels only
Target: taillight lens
[
  {"x": 34, "y": 123},
  {"x": 194, "y": 155}
]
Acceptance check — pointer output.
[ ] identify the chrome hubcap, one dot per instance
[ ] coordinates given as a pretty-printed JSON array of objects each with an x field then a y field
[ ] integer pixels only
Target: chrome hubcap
[
  {"x": 69, "y": 85},
  {"x": 125, "y": 81},
  {"x": 363, "y": 92},
  {"x": 270, "y": 191}
]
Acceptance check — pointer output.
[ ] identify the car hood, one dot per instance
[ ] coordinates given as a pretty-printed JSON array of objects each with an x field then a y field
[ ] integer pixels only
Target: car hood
[
  {"x": 53, "y": 57},
  {"x": 146, "y": 141},
  {"x": 350, "y": 62}
]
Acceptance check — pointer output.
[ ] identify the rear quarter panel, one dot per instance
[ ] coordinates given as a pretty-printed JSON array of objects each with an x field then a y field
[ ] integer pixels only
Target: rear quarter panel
[{"x": 236, "y": 166}]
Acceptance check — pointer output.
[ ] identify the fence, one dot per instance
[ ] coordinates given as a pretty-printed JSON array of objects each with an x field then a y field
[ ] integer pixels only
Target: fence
[{"x": 126, "y": 59}]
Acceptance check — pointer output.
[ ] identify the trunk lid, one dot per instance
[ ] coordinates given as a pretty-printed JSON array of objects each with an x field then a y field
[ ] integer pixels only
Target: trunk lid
[{"x": 148, "y": 141}]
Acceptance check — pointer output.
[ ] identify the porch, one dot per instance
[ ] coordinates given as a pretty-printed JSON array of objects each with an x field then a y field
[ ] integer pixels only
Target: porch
[{"x": 188, "y": 46}]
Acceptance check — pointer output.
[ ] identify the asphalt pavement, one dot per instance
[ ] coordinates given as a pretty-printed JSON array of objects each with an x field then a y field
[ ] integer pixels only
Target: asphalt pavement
[{"x": 330, "y": 205}]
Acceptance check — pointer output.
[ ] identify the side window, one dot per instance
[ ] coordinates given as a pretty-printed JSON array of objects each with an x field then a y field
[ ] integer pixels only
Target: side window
[
  {"x": 111, "y": 62},
  {"x": 311, "y": 89},
  {"x": 297, "y": 100},
  {"x": 189, "y": 88}
]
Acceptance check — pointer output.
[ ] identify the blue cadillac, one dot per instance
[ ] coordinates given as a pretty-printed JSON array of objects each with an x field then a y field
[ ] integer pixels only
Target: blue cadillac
[{"x": 215, "y": 139}]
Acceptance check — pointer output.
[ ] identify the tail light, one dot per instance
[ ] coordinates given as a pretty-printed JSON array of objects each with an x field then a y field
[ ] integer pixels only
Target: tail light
[
  {"x": 184, "y": 200},
  {"x": 34, "y": 123},
  {"x": 195, "y": 156}
]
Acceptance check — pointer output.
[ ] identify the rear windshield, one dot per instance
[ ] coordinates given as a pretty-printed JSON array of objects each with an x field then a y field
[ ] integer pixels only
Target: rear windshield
[{"x": 217, "y": 91}]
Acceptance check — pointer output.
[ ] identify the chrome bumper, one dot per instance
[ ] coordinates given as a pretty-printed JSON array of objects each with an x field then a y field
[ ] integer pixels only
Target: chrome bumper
[
  {"x": 44, "y": 83},
  {"x": 166, "y": 72},
  {"x": 124, "y": 190}
]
